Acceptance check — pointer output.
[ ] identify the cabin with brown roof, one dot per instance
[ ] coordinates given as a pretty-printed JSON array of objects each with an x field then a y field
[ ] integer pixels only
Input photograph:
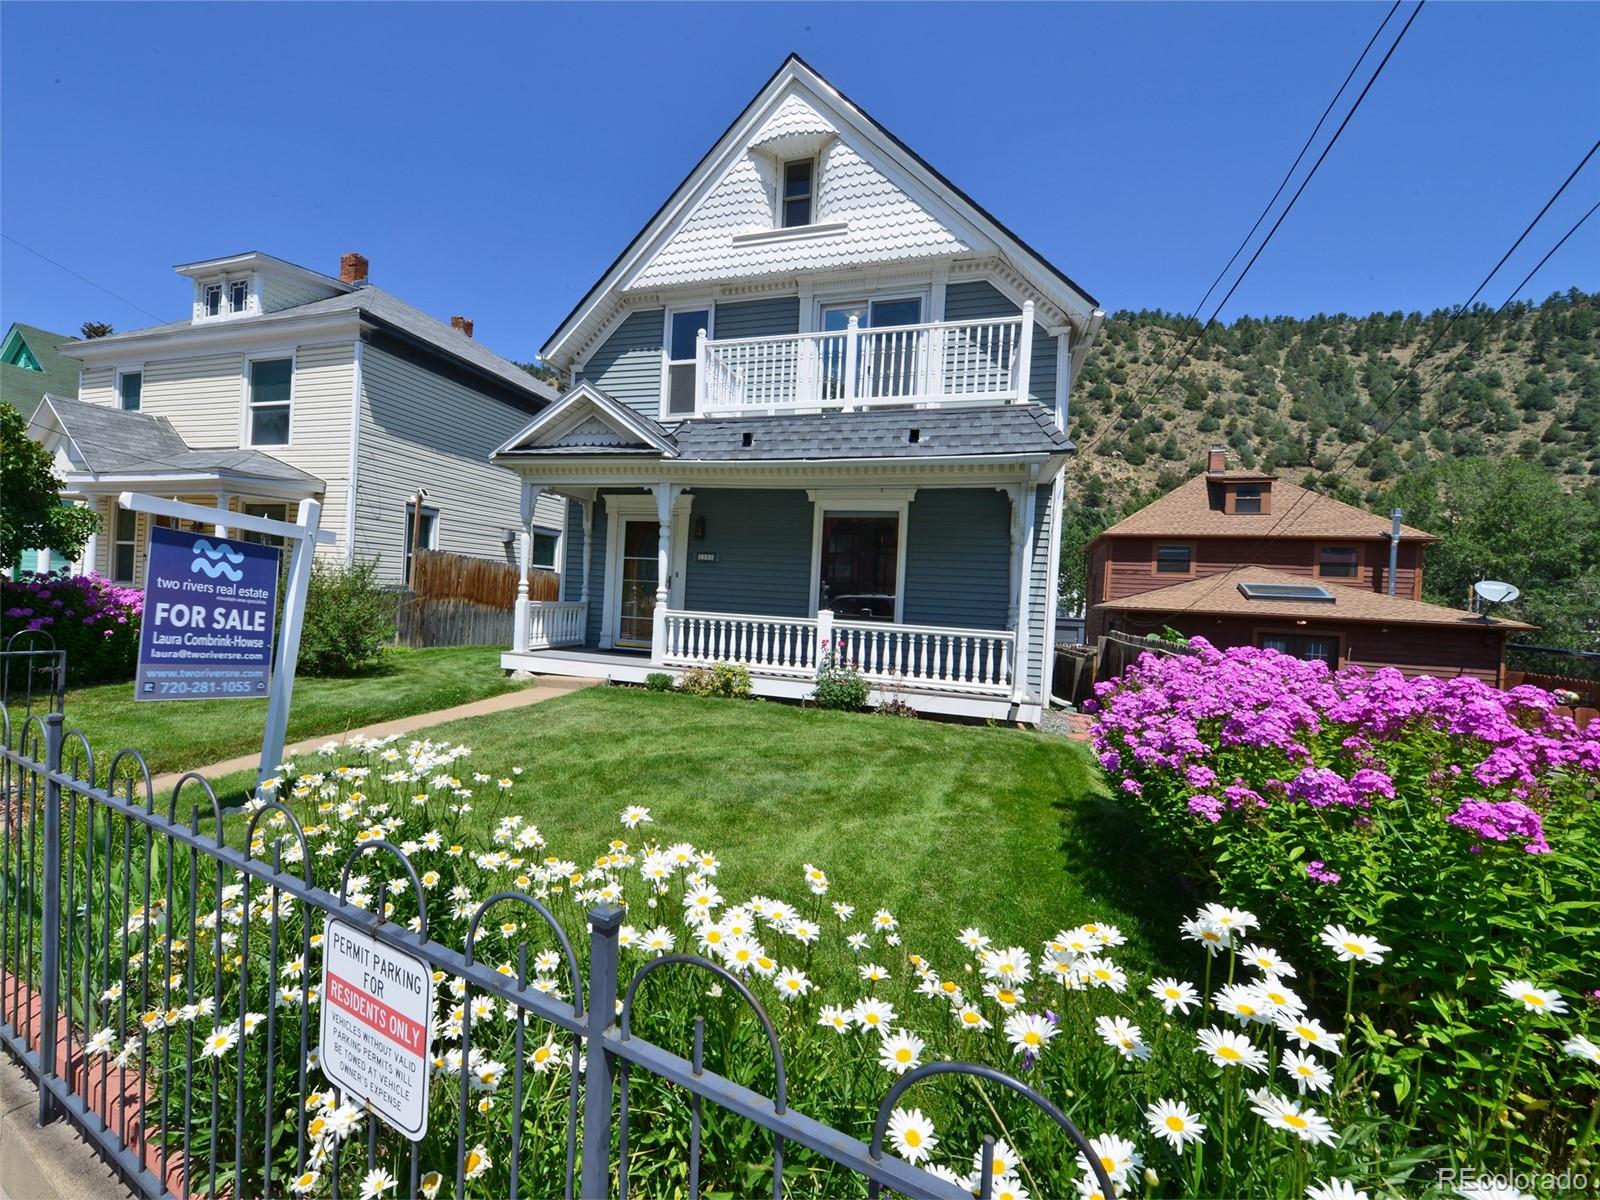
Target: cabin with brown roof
[{"x": 1243, "y": 558}]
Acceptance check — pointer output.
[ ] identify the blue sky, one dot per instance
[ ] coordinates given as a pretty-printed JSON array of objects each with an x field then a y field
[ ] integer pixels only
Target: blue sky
[{"x": 491, "y": 159}]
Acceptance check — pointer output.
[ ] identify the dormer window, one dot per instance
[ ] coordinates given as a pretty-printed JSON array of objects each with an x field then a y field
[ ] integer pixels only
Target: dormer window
[
  {"x": 1247, "y": 498},
  {"x": 212, "y": 306},
  {"x": 238, "y": 295},
  {"x": 799, "y": 186}
]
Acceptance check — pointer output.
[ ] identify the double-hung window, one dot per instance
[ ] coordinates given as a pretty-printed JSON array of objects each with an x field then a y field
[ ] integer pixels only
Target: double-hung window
[
  {"x": 799, "y": 186},
  {"x": 683, "y": 331},
  {"x": 123, "y": 544},
  {"x": 1174, "y": 558},
  {"x": 423, "y": 533},
  {"x": 273, "y": 512},
  {"x": 1247, "y": 498},
  {"x": 545, "y": 544},
  {"x": 130, "y": 384},
  {"x": 269, "y": 401},
  {"x": 1338, "y": 562}
]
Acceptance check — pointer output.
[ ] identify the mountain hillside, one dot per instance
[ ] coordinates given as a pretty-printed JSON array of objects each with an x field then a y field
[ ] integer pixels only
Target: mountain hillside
[{"x": 1328, "y": 399}]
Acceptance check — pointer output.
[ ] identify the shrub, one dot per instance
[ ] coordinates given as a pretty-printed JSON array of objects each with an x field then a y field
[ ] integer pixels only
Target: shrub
[
  {"x": 1455, "y": 821},
  {"x": 92, "y": 619},
  {"x": 349, "y": 619},
  {"x": 719, "y": 679},
  {"x": 658, "y": 681},
  {"x": 839, "y": 685}
]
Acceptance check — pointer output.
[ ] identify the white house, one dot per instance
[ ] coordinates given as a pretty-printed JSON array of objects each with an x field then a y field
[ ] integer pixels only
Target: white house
[
  {"x": 820, "y": 400},
  {"x": 283, "y": 383}
]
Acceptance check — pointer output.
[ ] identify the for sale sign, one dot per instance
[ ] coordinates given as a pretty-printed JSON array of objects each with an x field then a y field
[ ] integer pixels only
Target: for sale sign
[
  {"x": 377, "y": 1005},
  {"x": 207, "y": 629}
]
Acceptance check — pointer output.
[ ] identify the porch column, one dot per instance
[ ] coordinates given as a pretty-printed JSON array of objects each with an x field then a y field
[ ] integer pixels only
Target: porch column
[
  {"x": 91, "y": 549},
  {"x": 666, "y": 495},
  {"x": 224, "y": 501},
  {"x": 521, "y": 622},
  {"x": 1022, "y": 528}
]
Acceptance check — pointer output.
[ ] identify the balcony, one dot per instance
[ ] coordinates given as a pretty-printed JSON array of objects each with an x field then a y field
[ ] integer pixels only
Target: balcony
[{"x": 906, "y": 366}]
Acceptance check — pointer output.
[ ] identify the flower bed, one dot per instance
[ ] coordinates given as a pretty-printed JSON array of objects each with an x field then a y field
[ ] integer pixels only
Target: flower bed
[
  {"x": 94, "y": 620},
  {"x": 1456, "y": 821}
]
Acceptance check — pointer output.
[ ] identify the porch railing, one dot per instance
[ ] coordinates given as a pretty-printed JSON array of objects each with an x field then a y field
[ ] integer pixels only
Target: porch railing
[
  {"x": 923, "y": 657},
  {"x": 976, "y": 362},
  {"x": 553, "y": 623}
]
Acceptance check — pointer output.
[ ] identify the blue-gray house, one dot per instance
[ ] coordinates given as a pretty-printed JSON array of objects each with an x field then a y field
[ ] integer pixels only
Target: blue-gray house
[{"x": 819, "y": 400}]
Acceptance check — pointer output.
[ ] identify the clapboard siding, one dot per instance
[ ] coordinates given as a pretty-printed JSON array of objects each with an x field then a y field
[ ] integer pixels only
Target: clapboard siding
[
  {"x": 319, "y": 429},
  {"x": 1041, "y": 624},
  {"x": 419, "y": 429},
  {"x": 202, "y": 397},
  {"x": 597, "y": 575},
  {"x": 977, "y": 299},
  {"x": 627, "y": 366},
  {"x": 762, "y": 540},
  {"x": 758, "y": 318},
  {"x": 958, "y": 548},
  {"x": 572, "y": 552},
  {"x": 1122, "y": 566},
  {"x": 98, "y": 385}
]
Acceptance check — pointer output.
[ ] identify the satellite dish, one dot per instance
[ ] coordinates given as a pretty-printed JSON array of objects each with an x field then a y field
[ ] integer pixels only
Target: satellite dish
[{"x": 1496, "y": 592}]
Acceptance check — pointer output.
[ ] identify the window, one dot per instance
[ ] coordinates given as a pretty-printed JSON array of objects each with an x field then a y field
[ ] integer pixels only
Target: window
[
  {"x": 127, "y": 535},
  {"x": 129, "y": 385},
  {"x": 213, "y": 300},
  {"x": 798, "y": 178},
  {"x": 424, "y": 533},
  {"x": 860, "y": 565},
  {"x": 683, "y": 331},
  {"x": 1338, "y": 562},
  {"x": 238, "y": 295},
  {"x": 1175, "y": 559},
  {"x": 273, "y": 512},
  {"x": 544, "y": 548},
  {"x": 1247, "y": 498},
  {"x": 1312, "y": 647},
  {"x": 270, "y": 381}
]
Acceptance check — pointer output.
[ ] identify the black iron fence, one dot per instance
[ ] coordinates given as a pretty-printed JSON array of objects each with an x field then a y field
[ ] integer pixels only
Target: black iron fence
[
  {"x": 136, "y": 938},
  {"x": 33, "y": 673}
]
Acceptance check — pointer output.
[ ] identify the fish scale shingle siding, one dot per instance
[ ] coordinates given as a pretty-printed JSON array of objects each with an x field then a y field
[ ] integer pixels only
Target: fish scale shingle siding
[
  {"x": 627, "y": 366},
  {"x": 976, "y": 299},
  {"x": 958, "y": 548}
]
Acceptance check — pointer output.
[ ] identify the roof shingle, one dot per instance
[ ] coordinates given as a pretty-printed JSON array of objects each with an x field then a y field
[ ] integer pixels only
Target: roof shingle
[{"x": 1296, "y": 512}]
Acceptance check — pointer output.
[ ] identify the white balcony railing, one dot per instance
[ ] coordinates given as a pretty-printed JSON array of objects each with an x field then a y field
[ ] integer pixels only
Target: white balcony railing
[
  {"x": 553, "y": 623},
  {"x": 974, "y": 362},
  {"x": 920, "y": 657}
]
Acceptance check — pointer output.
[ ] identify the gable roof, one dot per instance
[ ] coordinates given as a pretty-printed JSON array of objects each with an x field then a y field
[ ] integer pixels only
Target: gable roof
[
  {"x": 22, "y": 387},
  {"x": 373, "y": 304},
  {"x": 1297, "y": 512},
  {"x": 588, "y": 421},
  {"x": 1219, "y": 595},
  {"x": 824, "y": 101}
]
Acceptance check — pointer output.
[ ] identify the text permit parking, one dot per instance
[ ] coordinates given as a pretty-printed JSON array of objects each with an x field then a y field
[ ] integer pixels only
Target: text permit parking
[{"x": 377, "y": 1032}]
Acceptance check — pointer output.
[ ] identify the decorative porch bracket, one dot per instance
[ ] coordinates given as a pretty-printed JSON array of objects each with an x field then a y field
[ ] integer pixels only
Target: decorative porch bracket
[{"x": 520, "y": 621}]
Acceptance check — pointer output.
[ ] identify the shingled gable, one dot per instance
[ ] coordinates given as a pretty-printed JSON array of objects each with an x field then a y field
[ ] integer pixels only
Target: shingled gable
[
  {"x": 899, "y": 206},
  {"x": 1187, "y": 512},
  {"x": 587, "y": 421}
]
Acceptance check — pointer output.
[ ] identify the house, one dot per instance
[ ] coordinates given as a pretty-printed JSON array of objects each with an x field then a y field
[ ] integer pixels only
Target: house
[
  {"x": 30, "y": 366},
  {"x": 1243, "y": 558},
  {"x": 819, "y": 400},
  {"x": 284, "y": 384}
]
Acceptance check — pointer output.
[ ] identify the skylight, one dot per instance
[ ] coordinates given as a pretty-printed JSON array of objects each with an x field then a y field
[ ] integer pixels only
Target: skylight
[{"x": 1286, "y": 591}]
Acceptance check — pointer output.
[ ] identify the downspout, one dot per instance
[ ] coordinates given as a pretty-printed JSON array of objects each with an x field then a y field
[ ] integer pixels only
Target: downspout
[
  {"x": 1394, "y": 547},
  {"x": 355, "y": 456}
]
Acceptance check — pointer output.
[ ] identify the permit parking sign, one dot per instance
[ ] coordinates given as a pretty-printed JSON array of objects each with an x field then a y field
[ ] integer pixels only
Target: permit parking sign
[{"x": 377, "y": 1031}]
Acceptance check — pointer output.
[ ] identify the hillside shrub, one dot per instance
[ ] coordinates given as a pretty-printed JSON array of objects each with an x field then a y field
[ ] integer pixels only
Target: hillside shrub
[
  {"x": 731, "y": 680},
  {"x": 1456, "y": 822},
  {"x": 349, "y": 619},
  {"x": 94, "y": 620}
]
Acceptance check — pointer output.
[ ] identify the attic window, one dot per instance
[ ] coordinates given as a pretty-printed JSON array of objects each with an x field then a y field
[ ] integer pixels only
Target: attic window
[
  {"x": 238, "y": 295},
  {"x": 1247, "y": 498},
  {"x": 213, "y": 300},
  {"x": 799, "y": 177}
]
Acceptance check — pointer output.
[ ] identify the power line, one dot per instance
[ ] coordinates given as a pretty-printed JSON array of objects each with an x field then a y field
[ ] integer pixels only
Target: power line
[
  {"x": 85, "y": 278},
  {"x": 1266, "y": 241},
  {"x": 1287, "y": 175}
]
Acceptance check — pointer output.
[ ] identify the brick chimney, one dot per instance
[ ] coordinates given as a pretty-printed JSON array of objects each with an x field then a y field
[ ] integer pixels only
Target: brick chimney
[
  {"x": 1217, "y": 460},
  {"x": 352, "y": 268},
  {"x": 464, "y": 324}
]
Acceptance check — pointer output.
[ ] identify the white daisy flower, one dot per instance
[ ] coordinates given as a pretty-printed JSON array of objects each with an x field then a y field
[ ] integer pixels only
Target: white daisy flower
[
  {"x": 912, "y": 1134},
  {"x": 1174, "y": 1123}
]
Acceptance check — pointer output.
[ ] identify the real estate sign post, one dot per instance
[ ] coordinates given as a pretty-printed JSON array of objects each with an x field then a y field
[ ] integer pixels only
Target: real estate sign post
[{"x": 208, "y": 610}]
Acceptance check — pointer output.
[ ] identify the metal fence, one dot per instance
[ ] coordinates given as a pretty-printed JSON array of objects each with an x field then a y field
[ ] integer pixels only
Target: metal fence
[
  {"x": 33, "y": 673},
  {"x": 118, "y": 912}
]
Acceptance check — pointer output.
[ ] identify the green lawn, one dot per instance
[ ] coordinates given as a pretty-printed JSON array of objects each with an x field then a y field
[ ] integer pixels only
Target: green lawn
[
  {"x": 945, "y": 825},
  {"x": 178, "y": 735}
]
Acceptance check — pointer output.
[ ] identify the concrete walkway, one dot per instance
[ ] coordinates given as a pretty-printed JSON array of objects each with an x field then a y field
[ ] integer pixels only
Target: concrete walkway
[
  {"x": 52, "y": 1163},
  {"x": 548, "y": 688}
]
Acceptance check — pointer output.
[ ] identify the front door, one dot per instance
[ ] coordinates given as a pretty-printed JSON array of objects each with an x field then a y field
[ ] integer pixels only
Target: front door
[{"x": 640, "y": 571}]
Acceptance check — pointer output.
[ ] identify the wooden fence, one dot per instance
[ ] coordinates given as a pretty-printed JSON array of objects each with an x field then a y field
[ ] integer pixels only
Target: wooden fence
[
  {"x": 1587, "y": 690},
  {"x": 459, "y": 601}
]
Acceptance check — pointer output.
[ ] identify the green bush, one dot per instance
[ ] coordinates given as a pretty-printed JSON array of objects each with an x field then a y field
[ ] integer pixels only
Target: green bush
[
  {"x": 349, "y": 619},
  {"x": 839, "y": 685},
  {"x": 658, "y": 681},
  {"x": 719, "y": 679}
]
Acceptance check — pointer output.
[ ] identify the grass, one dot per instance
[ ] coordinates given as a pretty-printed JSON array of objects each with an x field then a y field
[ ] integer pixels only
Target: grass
[
  {"x": 945, "y": 825},
  {"x": 181, "y": 735}
]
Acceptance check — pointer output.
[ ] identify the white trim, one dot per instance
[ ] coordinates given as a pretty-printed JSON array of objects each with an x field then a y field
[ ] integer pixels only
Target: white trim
[
  {"x": 116, "y": 385},
  {"x": 217, "y": 337},
  {"x": 619, "y": 509},
  {"x": 548, "y": 531},
  {"x": 259, "y": 262},
  {"x": 793, "y": 233},
  {"x": 668, "y": 362},
  {"x": 356, "y": 384},
  {"x": 552, "y": 417},
  {"x": 1047, "y": 665},
  {"x": 246, "y": 428},
  {"x": 896, "y": 501}
]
